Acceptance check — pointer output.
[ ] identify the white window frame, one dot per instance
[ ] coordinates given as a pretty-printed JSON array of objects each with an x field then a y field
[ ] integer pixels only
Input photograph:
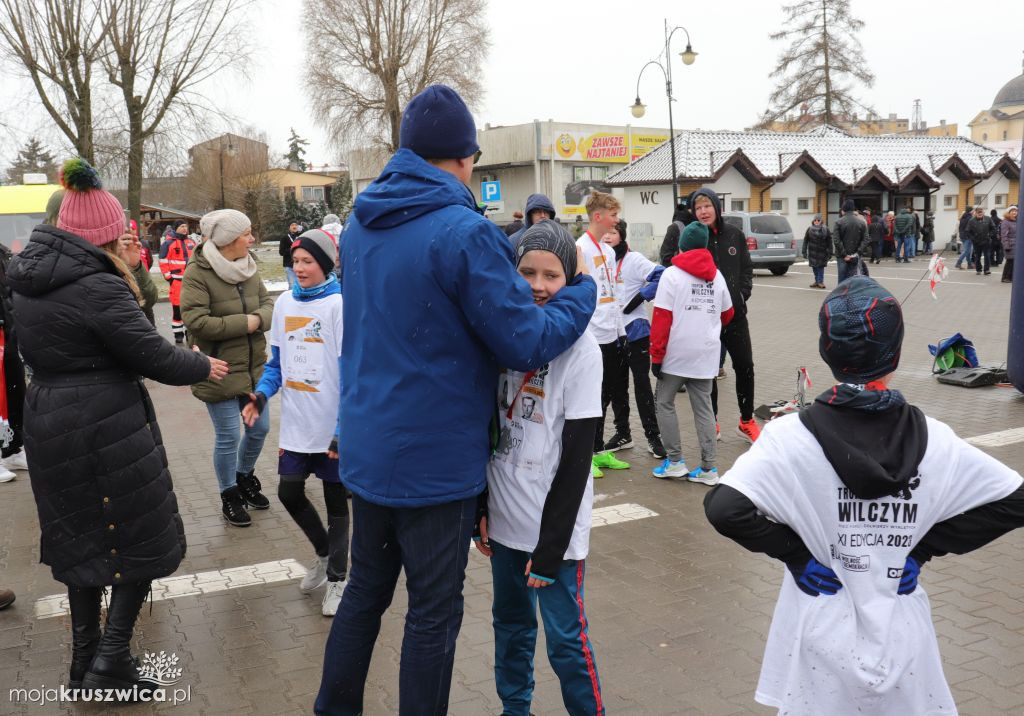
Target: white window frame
[
  {"x": 315, "y": 194},
  {"x": 949, "y": 202},
  {"x": 1000, "y": 201},
  {"x": 783, "y": 206},
  {"x": 742, "y": 202},
  {"x": 810, "y": 205},
  {"x": 980, "y": 200}
]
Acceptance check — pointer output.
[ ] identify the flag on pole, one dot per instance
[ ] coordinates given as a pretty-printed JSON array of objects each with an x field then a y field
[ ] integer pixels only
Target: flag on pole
[{"x": 937, "y": 271}]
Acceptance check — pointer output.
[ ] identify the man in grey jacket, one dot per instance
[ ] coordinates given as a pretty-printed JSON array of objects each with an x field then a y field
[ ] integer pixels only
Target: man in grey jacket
[{"x": 851, "y": 236}]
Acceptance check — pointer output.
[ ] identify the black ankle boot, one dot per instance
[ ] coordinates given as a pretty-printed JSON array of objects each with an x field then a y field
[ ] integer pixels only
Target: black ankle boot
[
  {"x": 85, "y": 630},
  {"x": 233, "y": 507},
  {"x": 249, "y": 486},
  {"x": 113, "y": 667}
]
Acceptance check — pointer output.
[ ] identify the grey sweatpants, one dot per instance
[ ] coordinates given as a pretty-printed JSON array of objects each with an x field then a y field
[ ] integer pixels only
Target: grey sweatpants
[{"x": 699, "y": 390}]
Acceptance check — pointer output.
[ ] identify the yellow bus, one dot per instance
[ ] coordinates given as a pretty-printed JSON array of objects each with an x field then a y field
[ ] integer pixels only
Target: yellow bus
[{"x": 22, "y": 208}]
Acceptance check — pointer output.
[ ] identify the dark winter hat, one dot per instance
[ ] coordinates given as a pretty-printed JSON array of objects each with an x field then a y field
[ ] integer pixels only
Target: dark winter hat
[
  {"x": 861, "y": 328},
  {"x": 321, "y": 247},
  {"x": 694, "y": 236},
  {"x": 548, "y": 235},
  {"x": 437, "y": 124},
  {"x": 849, "y": 205}
]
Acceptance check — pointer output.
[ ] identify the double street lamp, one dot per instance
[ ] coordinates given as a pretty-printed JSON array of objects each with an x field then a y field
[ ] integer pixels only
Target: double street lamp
[{"x": 638, "y": 109}]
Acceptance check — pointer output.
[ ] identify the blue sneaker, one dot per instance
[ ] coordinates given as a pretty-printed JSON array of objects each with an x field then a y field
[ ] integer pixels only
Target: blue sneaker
[
  {"x": 704, "y": 477},
  {"x": 668, "y": 469}
]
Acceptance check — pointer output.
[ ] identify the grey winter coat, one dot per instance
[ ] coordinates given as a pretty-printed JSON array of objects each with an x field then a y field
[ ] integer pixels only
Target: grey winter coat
[
  {"x": 1008, "y": 237},
  {"x": 817, "y": 245}
]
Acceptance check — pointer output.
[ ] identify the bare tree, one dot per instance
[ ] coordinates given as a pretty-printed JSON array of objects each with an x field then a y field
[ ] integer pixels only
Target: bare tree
[
  {"x": 817, "y": 70},
  {"x": 57, "y": 43},
  {"x": 160, "y": 52},
  {"x": 368, "y": 58}
]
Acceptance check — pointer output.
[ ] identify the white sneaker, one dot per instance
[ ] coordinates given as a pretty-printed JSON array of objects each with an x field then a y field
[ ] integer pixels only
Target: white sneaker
[
  {"x": 16, "y": 461},
  {"x": 316, "y": 575},
  {"x": 332, "y": 598},
  {"x": 6, "y": 475}
]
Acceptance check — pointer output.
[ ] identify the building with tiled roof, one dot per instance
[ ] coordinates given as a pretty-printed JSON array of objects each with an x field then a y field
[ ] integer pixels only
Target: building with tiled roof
[{"x": 800, "y": 174}]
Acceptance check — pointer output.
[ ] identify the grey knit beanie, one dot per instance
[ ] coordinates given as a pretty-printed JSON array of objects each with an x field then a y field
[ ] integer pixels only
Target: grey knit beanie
[
  {"x": 224, "y": 226},
  {"x": 549, "y": 235}
]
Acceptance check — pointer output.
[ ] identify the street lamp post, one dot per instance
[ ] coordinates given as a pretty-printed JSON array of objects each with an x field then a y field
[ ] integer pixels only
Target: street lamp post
[
  {"x": 638, "y": 108},
  {"x": 220, "y": 163}
]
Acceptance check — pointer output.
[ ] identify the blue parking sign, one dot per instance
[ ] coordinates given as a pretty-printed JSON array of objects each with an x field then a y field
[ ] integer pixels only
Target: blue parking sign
[{"x": 490, "y": 191}]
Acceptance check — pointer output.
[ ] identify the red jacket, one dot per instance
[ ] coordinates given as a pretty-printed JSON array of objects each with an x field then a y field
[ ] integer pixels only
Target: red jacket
[
  {"x": 175, "y": 252},
  {"x": 696, "y": 262}
]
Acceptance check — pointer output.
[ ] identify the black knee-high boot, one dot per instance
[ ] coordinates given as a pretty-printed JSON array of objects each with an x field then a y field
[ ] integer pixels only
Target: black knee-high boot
[
  {"x": 85, "y": 630},
  {"x": 113, "y": 666}
]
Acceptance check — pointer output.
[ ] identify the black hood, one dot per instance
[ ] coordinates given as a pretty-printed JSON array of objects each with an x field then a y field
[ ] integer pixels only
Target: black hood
[
  {"x": 874, "y": 449},
  {"x": 55, "y": 258},
  {"x": 710, "y": 194},
  {"x": 537, "y": 201}
]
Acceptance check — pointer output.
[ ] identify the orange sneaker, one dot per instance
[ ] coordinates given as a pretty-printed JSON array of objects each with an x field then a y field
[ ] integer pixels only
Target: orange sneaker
[{"x": 748, "y": 430}]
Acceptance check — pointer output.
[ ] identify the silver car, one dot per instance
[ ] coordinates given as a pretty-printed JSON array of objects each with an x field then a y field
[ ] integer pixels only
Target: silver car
[{"x": 770, "y": 239}]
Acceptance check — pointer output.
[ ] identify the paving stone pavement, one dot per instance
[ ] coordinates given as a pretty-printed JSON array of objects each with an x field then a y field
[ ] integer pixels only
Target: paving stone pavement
[{"x": 678, "y": 614}]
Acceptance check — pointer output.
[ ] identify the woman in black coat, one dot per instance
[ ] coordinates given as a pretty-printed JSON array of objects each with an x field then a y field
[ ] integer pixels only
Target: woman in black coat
[
  {"x": 817, "y": 250},
  {"x": 97, "y": 465}
]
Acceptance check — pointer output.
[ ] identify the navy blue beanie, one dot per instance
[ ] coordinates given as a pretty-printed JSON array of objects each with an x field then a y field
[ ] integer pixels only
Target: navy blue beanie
[
  {"x": 861, "y": 331},
  {"x": 437, "y": 124}
]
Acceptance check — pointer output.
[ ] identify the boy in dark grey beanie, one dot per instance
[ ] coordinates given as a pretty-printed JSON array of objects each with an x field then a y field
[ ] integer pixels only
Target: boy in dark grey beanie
[{"x": 856, "y": 493}]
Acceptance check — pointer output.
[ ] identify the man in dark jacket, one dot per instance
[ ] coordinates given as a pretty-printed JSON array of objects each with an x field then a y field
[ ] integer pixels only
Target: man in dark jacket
[
  {"x": 876, "y": 232},
  {"x": 968, "y": 248},
  {"x": 982, "y": 234},
  {"x": 433, "y": 307},
  {"x": 728, "y": 246},
  {"x": 284, "y": 247},
  {"x": 516, "y": 225},
  {"x": 670, "y": 246},
  {"x": 538, "y": 207},
  {"x": 904, "y": 228},
  {"x": 851, "y": 236}
]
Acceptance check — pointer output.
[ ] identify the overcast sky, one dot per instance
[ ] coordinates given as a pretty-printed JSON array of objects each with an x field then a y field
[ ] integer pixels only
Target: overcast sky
[{"x": 578, "y": 61}]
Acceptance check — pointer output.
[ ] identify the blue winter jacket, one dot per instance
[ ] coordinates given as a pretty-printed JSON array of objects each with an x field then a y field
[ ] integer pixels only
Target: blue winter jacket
[{"x": 433, "y": 306}]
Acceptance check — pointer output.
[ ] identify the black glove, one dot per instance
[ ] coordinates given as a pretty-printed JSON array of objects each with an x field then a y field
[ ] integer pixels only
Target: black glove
[
  {"x": 481, "y": 512},
  {"x": 656, "y": 370},
  {"x": 333, "y": 447}
]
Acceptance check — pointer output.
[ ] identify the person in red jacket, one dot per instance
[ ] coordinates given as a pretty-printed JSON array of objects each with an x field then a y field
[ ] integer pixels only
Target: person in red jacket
[
  {"x": 175, "y": 252},
  {"x": 691, "y": 307}
]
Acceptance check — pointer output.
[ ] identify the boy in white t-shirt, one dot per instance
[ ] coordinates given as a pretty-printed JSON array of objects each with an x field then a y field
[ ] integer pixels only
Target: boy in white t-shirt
[
  {"x": 690, "y": 308},
  {"x": 607, "y": 327},
  {"x": 854, "y": 494},
  {"x": 536, "y": 529},
  {"x": 305, "y": 345}
]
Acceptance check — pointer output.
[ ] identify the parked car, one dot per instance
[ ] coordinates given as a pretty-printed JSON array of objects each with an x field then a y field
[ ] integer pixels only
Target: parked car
[{"x": 770, "y": 239}]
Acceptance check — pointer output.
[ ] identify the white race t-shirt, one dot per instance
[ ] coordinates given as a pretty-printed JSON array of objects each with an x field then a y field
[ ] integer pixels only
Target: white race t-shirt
[
  {"x": 308, "y": 334},
  {"x": 606, "y": 323},
  {"x": 694, "y": 344},
  {"x": 523, "y": 467},
  {"x": 630, "y": 276},
  {"x": 865, "y": 650}
]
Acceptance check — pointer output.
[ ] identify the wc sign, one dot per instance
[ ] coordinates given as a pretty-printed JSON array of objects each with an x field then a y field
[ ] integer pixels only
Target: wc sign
[{"x": 490, "y": 191}]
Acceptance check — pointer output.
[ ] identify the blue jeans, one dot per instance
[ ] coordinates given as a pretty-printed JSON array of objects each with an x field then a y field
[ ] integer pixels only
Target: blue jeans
[
  {"x": 232, "y": 455},
  {"x": 566, "y": 631},
  {"x": 432, "y": 545},
  {"x": 819, "y": 274},
  {"x": 907, "y": 243},
  {"x": 847, "y": 269},
  {"x": 967, "y": 253},
  {"x": 289, "y": 272}
]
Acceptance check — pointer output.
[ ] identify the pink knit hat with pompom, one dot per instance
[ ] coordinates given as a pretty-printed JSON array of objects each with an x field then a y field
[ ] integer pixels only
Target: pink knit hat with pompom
[{"x": 88, "y": 210}]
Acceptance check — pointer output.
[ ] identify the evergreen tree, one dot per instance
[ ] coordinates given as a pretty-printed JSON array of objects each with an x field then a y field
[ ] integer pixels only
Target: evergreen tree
[
  {"x": 817, "y": 71},
  {"x": 341, "y": 197},
  {"x": 33, "y": 158},
  {"x": 296, "y": 152}
]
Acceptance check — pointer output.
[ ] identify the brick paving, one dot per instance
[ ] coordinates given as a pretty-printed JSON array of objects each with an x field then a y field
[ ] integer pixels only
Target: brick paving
[{"x": 678, "y": 615}]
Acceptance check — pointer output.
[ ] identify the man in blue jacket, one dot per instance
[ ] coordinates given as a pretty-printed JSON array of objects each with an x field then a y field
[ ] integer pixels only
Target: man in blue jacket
[{"x": 433, "y": 307}]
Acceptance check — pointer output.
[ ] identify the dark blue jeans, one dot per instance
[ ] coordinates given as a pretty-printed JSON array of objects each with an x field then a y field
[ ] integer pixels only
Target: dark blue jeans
[
  {"x": 432, "y": 545},
  {"x": 847, "y": 269}
]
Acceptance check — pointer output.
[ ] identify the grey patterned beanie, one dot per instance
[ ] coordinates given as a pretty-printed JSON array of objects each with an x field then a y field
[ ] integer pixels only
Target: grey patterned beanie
[{"x": 549, "y": 235}]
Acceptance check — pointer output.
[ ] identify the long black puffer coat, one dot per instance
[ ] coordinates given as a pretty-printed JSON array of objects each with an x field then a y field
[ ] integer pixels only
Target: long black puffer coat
[{"x": 97, "y": 465}]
